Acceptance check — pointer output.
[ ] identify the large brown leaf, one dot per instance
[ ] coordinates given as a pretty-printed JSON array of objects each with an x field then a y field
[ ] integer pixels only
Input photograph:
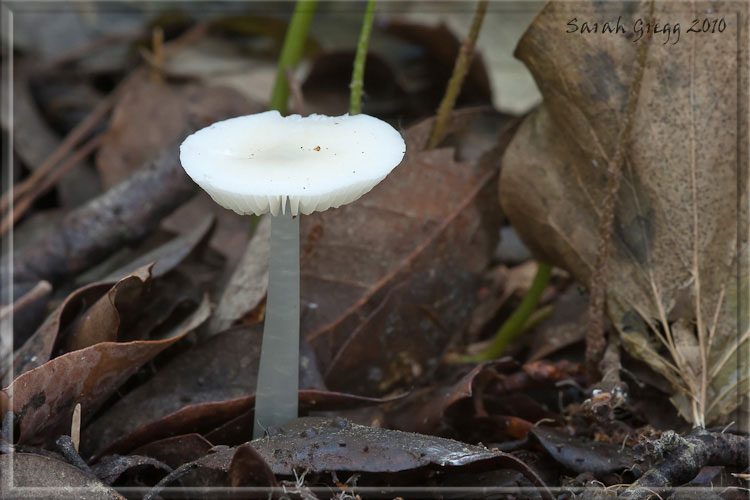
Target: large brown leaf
[
  {"x": 388, "y": 281},
  {"x": 43, "y": 399},
  {"x": 678, "y": 265}
]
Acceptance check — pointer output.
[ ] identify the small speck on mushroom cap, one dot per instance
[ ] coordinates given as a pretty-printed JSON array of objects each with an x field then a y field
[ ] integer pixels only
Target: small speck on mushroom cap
[{"x": 254, "y": 163}]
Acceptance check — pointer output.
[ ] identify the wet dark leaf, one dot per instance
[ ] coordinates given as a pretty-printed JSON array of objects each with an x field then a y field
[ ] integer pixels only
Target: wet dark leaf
[
  {"x": 583, "y": 455},
  {"x": 335, "y": 444}
]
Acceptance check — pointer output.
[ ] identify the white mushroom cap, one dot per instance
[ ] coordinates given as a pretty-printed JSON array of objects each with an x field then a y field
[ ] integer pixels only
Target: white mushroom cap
[{"x": 252, "y": 164}]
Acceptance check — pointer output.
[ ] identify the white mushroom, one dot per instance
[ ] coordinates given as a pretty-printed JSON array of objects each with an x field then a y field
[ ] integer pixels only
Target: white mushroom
[
  {"x": 286, "y": 165},
  {"x": 253, "y": 164}
]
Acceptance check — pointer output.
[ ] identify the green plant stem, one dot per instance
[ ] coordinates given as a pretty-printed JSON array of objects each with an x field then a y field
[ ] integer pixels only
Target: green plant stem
[
  {"x": 460, "y": 69},
  {"x": 358, "y": 73},
  {"x": 291, "y": 52},
  {"x": 519, "y": 320}
]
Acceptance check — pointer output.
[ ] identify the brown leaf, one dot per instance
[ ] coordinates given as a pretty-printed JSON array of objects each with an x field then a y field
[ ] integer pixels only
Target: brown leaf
[
  {"x": 248, "y": 284},
  {"x": 38, "y": 349},
  {"x": 230, "y": 234},
  {"x": 226, "y": 419},
  {"x": 565, "y": 326},
  {"x": 101, "y": 322},
  {"x": 388, "y": 281},
  {"x": 177, "y": 450},
  {"x": 167, "y": 256},
  {"x": 88, "y": 315},
  {"x": 248, "y": 468},
  {"x": 132, "y": 209},
  {"x": 31, "y": 471},
  {"x": 424, "y": 411},
  {"x": 223, "y": 368},
  {"x": 43, "y": 399},
  {"x": 148, "y": 116},
  {"x": 675, "y": 241}
]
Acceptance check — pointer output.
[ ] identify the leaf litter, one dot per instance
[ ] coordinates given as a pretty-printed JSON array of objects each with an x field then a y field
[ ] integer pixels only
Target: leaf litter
[{"x": 154, "y": 325}]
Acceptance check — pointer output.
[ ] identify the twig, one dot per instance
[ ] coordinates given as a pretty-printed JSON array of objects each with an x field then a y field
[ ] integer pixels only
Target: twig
[
  {"x": 85, "y": 126},
  {"x": 75, "y": 136},
  {"x": 358, "y": 73},
  {"x": 684, "y": 458},
  {"x": 291, "y": 52},
  {"x": 40, "y": 290},
  {"x": 47, "y": 183},
  {"x": 595, "y": 340},
  {"x": 117, "y": 217},
  {"x": 175, "y": 475},
  {"x": 69, "y": 451},
  {"x": 461, "y": 68}
]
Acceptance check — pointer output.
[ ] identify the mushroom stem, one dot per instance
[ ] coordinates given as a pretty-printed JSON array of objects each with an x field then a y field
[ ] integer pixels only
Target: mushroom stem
[{"x": 278, "y": 375}]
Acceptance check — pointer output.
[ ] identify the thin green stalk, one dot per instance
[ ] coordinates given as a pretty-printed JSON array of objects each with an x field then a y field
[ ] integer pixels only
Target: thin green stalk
[
  {"x": 291, "y": 52},
  {"x": 358, "y": 73},
  {"x": 518, "y": 321},
  {"x": 460, "y": 69}
]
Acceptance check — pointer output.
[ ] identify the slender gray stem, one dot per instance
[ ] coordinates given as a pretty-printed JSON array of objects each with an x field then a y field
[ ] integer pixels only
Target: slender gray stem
[{"x": 278, "y": 374}]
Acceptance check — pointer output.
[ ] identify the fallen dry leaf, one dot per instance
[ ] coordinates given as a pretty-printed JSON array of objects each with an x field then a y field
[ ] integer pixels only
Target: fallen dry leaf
[
  {"x": 387, "y": 282},
  {"x": 248, "y": 284},
  {"x": 101, "y": 322},
  {"x": 227, "y": 421},
  {"x": 678, "y": 263},
  {"x": 177, "y": 450},
  {"x": 131, "y": 210},
  {"x": 44, "y": 398}
]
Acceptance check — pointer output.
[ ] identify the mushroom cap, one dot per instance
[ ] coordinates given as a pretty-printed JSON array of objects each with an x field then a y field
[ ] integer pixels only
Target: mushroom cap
[{"x": 254, "y": 163}]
